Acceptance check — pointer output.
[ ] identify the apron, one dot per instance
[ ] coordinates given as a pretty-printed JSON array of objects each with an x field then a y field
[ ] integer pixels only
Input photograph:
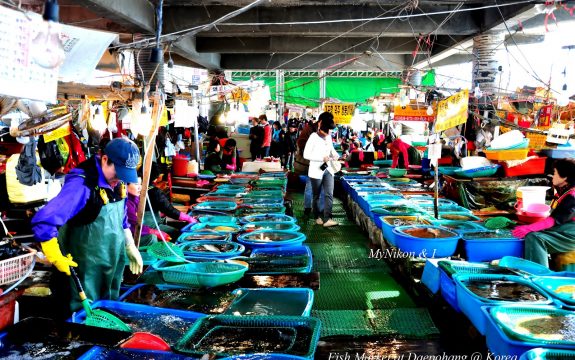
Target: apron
[
  {"x": 99, "y": 250},
  {"x": 557, "y": 239}
]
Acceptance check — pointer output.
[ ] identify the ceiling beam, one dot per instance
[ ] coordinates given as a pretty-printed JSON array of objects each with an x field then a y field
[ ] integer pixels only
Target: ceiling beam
[
  {"x": 262, "y": 61},
  {"x": 283, "y": 3},
  {"x": 298, "y": 45},
  {"x": 489, "y": 19},
  {"x": 184, "y": 17},
  {"x": 139, "y": 17}
]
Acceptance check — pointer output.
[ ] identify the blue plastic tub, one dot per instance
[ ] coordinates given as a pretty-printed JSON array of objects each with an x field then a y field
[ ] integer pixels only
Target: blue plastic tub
[
  {"x": 431, "y": 276},
  {"x": 480, "y": 249},
  {"x": 265, "y": 194},
  {"x": 288, "y": 259},
  {"x": 201, "y": 274},
  {"x": 264, "y": 357},
  {"x": 429, "y": 201},
  {"x": 426, "y": 247},
  {"x": 194, "y": 249},
  {"x": 271, "y": 302},
  {"x": 527, "y": 266},
  {"x": 102, "y": 353},
  {"x": 458, "y": 216},
  {"x": 304, "y": 331},
  {"x": 471, "y": 303},
  {"x": 501, "y": 344},
  {"x": 202, "y": 235},
  {"x": 266, "y": 239},
  {"x": 212, "y": 227},
  {"x": 398, "y": 209},
  {"x": 270, "y": 225},
  {"x": 223, "y": 206},
  {"x": 267, "y": 218},
  {"x": 262, "y": 201},
  {"x": 552, "y": 285},
  {"x": 548, "y": 354},
  {"x": 220, "y": 219},
  {"x": 169, "y": 324},
  {"x": 260, "y": 209},
  {"x": 460, "y": 227},
  {"x": 444, "y": 208},
  {"x": 447, "y": 283},
  {"x": 387, "y": 228}
]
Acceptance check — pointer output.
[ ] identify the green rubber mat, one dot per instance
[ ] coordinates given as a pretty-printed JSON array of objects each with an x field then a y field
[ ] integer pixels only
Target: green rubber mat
[
  {"x": 349, "y": 258},
  {"x": 409, "y": 323},
  {"x": 343, "y": 323},
  {"x": 360, "y": 291},
  {"x": 343, "y": 234},
  {"x": 405, "y": 323}
]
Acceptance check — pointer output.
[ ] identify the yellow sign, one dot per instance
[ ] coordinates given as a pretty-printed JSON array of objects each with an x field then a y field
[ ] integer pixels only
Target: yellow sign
[
  {"x": 408, "y": 113},
  {"x": 452, "y": 111},
  {"x": 164, "y": 118},
  {"x": 342, "y": 113},
  {"x": 58, "y": 133}
]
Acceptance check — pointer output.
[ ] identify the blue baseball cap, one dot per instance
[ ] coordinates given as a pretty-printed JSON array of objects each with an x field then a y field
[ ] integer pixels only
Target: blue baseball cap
[{"x": 125, "y": 156}]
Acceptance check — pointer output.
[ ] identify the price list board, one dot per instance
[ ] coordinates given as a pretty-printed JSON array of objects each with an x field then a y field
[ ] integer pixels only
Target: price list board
[{"x": 20, "y": 77}]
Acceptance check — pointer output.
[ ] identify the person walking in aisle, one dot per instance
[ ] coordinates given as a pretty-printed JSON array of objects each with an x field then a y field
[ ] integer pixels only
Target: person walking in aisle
[
  {"x": 301, "y": 166},
  {"x": 267, "y": 138},
  {"x": 320, "y": 153},
  {"x": 290, "y": 144},
  {"x": 257, "y": 138}
]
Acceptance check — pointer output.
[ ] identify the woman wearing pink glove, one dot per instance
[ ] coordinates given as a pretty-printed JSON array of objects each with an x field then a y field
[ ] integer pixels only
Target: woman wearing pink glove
[
  {"x": 161, "y": 203},
  {"x": 555, "y": 234}
]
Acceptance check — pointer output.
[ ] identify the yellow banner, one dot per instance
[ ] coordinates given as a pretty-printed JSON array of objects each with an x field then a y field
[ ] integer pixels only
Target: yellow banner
[
  {"x": 58, "y": 133},
  {"x": 452, "y": 111},
  {"x": 408, "y": 113},
  {"x": 342, "y": 113}
]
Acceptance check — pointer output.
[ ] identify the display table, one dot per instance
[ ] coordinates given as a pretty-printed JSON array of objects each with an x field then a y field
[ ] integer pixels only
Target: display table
[
  {"x": 256, "y": 166},
  {"x": 480, "y": 193}
]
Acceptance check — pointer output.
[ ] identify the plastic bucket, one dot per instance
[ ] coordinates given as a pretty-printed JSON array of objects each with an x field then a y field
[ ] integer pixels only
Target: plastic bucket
[
  {"x": 180, "y": 166},
  {"x": 531, "y": 195}
]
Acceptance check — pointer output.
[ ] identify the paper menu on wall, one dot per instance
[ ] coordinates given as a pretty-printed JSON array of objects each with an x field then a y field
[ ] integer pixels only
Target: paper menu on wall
[{"x": 19, "y": 76}]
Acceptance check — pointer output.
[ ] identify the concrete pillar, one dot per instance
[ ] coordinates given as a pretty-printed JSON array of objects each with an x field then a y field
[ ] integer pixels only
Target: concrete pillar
[{"x": 487, "y": 50}]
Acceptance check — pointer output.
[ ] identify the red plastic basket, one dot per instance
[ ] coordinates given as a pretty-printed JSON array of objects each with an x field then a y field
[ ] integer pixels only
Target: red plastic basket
[
  {"x": 15, "y": 268},
  {"x": 535, "y": 166}
]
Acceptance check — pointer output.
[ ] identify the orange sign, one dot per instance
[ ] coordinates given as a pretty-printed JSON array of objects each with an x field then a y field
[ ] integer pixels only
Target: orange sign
[{"x": 410, "y": 113}]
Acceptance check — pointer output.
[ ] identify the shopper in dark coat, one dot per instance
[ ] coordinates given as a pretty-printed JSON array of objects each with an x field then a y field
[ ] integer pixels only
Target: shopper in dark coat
[{"x": 257, "y": 137}]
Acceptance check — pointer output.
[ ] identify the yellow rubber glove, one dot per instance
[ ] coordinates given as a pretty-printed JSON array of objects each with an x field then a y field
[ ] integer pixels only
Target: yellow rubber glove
[
  {"x": 51, "y": 250},
  {"x": 136, "y": 262}
]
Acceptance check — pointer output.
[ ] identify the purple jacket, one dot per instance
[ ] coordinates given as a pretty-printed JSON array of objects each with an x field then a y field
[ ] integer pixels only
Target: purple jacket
[
  {"x": 70, "y": 201},
  {"x": 132, "y": 213}
]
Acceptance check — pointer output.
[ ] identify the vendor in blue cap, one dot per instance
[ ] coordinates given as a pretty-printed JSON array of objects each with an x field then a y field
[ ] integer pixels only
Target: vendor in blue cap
[{"x": 85, "y": 225}]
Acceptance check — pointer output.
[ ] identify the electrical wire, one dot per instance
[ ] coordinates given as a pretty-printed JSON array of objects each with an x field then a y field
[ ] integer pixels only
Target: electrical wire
[
  {"x": 319, "y": 22},
  {"x": 190, "y": 31}
]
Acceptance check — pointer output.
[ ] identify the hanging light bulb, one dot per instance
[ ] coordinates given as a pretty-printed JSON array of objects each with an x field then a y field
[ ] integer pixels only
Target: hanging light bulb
[
  {"x": 563, "y": 98},
  {"x": 403, "y": 98},
  {"x": 98, "y": 122},
  {"x": 477, "y": 91},
  {"x": 47, "y": 49},
  {"x": 429, "y": 110},
  {"x": 223, "y": 118},
  {"x": 145, "y": 120}
]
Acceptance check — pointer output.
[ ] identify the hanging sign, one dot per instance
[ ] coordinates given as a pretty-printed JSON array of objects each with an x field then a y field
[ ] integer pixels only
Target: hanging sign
[
  {"x": 20, "y": 76},
  {"x": 342, "y": 113},
  {"x": 452, "y": 111},
  {"x": 408, "y": 113},
  {"x": 58, "y": 133}
]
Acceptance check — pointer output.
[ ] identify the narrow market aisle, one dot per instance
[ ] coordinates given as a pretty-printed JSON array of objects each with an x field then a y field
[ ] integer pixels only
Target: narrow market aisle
[{"x": 358, "y": 297}]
